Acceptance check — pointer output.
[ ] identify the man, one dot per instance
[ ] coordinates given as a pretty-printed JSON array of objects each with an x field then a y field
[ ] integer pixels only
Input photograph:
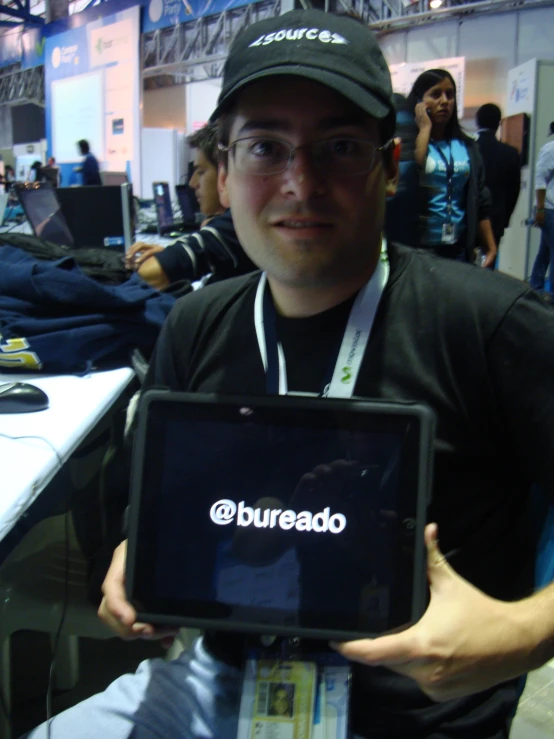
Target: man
[
  {"x": 306, "y": 120},
  {"x": 544, "y": 216},
  {"x": 214, "y": 248},
  {"x": 502, "y": 169},
  {"x": 90, "y": 171}
]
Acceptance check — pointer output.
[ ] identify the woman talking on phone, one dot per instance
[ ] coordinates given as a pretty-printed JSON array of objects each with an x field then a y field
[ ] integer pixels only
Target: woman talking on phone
[{"x": 454, "y": 200}]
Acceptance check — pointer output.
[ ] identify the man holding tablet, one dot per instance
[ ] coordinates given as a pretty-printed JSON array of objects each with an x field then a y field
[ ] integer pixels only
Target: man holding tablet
[{"x": 306, "y": 119}]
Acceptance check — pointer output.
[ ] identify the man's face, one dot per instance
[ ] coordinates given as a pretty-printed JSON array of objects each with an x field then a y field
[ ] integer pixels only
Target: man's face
[
  {"x": 303, "y": 226},
  {"x": 204, "y": 184}
]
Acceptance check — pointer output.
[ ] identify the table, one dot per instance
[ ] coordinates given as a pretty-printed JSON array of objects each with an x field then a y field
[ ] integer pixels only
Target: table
[{"x": 77, "y": 404}]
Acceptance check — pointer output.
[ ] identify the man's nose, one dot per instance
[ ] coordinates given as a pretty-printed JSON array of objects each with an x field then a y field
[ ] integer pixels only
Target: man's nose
[{"x": 304, "y": 177}]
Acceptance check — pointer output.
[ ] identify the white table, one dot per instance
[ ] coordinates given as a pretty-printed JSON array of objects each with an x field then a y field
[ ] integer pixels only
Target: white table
[{"x": 77, "y": 403}]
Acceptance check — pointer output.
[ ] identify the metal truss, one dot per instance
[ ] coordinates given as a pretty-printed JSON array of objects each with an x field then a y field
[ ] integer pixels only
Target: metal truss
[
  {"x": 195, "y": 51},
  {"x": 21, "y": 85}
]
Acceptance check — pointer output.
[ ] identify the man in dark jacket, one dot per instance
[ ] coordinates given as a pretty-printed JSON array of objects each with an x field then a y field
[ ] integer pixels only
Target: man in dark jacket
[{"x": 502, "y": 169}]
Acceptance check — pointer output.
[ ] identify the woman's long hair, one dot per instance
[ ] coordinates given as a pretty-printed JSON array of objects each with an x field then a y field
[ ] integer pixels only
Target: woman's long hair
[{"x": 424, "y": 82}]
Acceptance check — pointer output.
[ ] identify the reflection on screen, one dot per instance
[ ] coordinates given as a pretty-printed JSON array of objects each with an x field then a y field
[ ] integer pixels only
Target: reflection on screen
[
  {"x": 44, "y": 214},
  {"x": 287, "y": 520}
]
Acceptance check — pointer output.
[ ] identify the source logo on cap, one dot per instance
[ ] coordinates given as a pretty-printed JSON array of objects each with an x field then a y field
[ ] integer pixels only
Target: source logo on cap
[{"x": 296, "y": 34}]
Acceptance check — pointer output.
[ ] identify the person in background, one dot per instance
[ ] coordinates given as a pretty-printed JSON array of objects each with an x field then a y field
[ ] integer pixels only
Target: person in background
[
  {"x": 90, "y": 172},
  {"x": 213, "y": 249},
  {"x": 402, "y": 209},
  {"x": 544, "y": 216},
  {"x": 502, "y": 170},
  {"x": 455, "y": 203},
  {"x": 308, "y": 157},
  {"x": 51, "y": 161}
]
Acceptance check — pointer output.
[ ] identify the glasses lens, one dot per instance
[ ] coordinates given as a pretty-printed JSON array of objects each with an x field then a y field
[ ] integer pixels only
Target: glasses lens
[
  {"x": 337, "y": 156},
  {"x": 259, "y": 156},
  {"x": 345, "y": 156}
]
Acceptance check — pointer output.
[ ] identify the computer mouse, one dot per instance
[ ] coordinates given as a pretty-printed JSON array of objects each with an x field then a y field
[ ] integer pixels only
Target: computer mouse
[{"x": 22, "y": 397}]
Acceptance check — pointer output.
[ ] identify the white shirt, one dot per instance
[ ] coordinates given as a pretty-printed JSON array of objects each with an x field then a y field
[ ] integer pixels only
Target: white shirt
[{"x": 544, "y": 172}]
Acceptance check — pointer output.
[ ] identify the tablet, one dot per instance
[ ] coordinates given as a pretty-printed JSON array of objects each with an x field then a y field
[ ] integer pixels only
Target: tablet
[{"x": 279, "y": 515}]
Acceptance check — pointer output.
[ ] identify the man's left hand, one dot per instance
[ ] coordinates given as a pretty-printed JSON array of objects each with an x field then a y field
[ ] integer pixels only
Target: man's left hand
[{"x": 464, "y": 643}]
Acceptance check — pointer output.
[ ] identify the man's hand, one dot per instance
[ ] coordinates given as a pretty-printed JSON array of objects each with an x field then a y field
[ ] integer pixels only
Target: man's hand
[
  {"x": 116, "y": 611},
  {"x": 139, "y": 253},
  {"x": 465, "y": 642},
  {"x": 539, "y": 218}
]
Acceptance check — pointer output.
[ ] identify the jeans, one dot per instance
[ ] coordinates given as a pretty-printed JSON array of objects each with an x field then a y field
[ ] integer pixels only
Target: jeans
[{"x": 545, "y": 256}]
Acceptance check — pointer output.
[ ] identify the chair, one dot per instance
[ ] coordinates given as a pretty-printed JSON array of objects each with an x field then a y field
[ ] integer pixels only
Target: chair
[{"x": 32, "y": 595}]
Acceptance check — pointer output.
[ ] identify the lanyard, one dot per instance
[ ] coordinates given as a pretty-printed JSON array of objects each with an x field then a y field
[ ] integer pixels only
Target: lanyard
[
  {"x": 449, "y": 179},
  {"x": 352, "y": 348}
]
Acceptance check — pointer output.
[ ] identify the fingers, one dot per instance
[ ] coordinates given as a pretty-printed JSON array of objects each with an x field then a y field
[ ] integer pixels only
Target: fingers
[
  {"x": 115, "y": 610},
  {"x": 392, "y": 651}
]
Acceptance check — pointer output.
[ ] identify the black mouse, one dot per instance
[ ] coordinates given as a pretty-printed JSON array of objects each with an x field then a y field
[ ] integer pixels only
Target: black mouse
[{"x": 21, "y": 397}]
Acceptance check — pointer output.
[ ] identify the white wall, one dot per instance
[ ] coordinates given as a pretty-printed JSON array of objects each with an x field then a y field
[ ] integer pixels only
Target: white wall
[
  {"x": 492, "y": 44},
  {"x": 164, "y": 107}
]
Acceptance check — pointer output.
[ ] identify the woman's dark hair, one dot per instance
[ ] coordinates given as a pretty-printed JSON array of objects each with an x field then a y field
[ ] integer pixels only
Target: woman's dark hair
[
  {"x": 424, "y": 82},
  {"x": 84, "y": 148}
]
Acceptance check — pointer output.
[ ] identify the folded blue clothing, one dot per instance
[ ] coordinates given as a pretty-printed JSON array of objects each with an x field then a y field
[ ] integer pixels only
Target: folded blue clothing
[{"x": 55, "y": 318}]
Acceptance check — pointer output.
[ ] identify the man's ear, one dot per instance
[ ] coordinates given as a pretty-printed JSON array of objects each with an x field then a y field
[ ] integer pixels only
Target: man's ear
[
  {"x": 393, "y": 172},
  {"x": 222, "y": 186}
]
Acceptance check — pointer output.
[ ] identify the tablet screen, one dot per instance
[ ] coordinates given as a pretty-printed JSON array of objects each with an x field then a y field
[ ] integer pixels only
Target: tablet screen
[{"x": 300, "y": 514}]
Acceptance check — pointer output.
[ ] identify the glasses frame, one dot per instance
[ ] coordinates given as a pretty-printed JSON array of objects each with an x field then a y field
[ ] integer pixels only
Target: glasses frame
[{"x": 231, "y": 148}]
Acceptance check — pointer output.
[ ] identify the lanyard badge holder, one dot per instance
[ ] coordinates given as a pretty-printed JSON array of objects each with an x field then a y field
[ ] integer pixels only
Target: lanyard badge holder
[
  {"x": 287, "y": 695},
  {"x": 448, "y": 235}
]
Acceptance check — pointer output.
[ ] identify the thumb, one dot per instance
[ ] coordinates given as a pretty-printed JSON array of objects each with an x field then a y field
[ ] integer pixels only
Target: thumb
[{"x": 438, "y": 567}]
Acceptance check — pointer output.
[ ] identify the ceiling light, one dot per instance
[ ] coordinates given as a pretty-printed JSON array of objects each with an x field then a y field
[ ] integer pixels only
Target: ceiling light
[{"x": 434, "y": 4}]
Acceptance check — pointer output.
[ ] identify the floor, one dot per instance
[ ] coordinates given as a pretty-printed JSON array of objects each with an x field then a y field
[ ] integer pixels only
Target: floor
[{"x": 102, "y": 661}]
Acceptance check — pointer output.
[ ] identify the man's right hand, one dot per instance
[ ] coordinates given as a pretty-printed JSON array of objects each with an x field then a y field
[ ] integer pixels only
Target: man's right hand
[
  {"x": 539, "y": 218},
  {"x": 116, "y": 611},
  {"x": 139, "y": 253}
]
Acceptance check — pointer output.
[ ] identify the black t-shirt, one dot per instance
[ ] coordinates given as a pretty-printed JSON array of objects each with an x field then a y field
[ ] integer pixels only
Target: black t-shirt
[{"x": 477, "y": 347}]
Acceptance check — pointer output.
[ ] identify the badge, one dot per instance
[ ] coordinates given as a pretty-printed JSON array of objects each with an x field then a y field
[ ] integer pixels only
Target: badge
[{"x": 448, "y": 233}]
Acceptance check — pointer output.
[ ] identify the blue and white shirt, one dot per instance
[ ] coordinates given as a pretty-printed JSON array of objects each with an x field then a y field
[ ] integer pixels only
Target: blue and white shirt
[
  {"x": 434, "y": 180},
  {"x": 544, "y": 172}
]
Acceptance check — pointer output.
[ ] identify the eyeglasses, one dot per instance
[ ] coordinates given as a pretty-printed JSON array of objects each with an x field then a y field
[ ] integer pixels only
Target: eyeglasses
[{"x": 343, "y": 157}]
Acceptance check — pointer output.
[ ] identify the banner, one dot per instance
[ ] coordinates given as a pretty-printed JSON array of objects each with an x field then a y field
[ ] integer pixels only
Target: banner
[
  {"x": 404, "y": 75},
  {"x": 92, "y": 90}
]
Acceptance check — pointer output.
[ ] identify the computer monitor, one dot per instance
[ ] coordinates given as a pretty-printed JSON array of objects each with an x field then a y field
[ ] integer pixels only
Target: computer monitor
[
  {"x": 164, "y": 212},
  {"x": 114, "y": 178},
  {"x": 188, "y": 203},
  {"x": 98, "y": 215},
  {"x": 50, "y": 174},
  {"x": 43, "y": 212}
]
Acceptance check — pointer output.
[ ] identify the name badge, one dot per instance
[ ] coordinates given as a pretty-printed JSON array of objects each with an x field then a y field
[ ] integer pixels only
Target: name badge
[
  {"x": 448, "y": 233},
  {"x": 278, "y": 699}
]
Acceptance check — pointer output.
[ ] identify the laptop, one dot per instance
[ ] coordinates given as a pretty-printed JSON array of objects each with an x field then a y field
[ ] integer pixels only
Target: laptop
[
  {"x": 164, "y": 212},
  {"x": 3, "y": 206},
  {"x": 43, "y": 211},
  {"x": 99, "y": 215},
  {"x": 279, "y": 515},
  {"x": 188, "y": 205},
  {"x": 79, "y": 217}
]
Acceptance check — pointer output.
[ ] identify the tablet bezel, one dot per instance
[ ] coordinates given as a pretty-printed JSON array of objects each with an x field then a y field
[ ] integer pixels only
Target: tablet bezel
[{"x": 157, "y": 612}]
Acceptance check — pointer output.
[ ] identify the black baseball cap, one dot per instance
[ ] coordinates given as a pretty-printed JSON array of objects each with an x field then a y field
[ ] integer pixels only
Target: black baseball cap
[{"x": 335, "y": 50}]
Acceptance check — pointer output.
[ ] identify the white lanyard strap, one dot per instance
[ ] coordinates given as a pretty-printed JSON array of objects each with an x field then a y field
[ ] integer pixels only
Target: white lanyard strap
[{"x": 353, "y": 345}]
